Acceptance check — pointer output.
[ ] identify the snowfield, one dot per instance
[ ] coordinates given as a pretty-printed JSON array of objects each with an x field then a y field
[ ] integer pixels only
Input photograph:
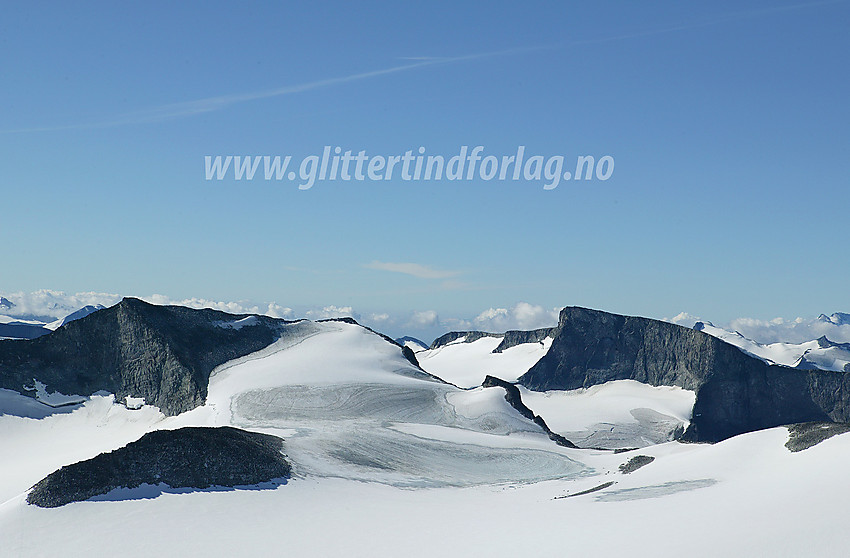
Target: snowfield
[
  {"x": 467, "y": 364},
  {"x": 620, "y": 414},
  {"x": 388, "y": 461}
]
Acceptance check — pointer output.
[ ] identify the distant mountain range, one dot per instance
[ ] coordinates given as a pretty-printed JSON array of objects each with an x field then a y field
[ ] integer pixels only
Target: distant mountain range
[
  {"x": 820, "y": 353},
  {"x": 838, "y": 318},
  {"x": 12, "y": 328}
]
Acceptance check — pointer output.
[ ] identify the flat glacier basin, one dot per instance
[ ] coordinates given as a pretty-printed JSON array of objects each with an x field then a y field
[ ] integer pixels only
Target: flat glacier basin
[{"x": 414, "y": 435}]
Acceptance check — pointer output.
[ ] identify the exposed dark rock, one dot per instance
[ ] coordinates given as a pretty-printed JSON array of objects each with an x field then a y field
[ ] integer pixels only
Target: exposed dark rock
[
  {"x": 514, "y": 398},
  {"x": 183, "y": 458},
  {"x": 407, "y": 338},
  {"x": 514, "y": 338},
  {"x": 636, "y": 463},
  {"x": 471, "y": 337},
  {"x": 509, "y": 338},
  {"x": 825, "y": 343},
  {"x": 162, "y": 353},
  {"x": 597, "y": 488},
  {"x": 736, "y": 393},
  {"x": 808, "y": 434},
  {"x": 344, "y": 319}
]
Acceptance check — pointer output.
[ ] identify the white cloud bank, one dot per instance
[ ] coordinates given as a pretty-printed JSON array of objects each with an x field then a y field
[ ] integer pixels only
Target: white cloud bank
[
  {"x": 50, "y": 305},
  {"x": 521, "y": 316}
]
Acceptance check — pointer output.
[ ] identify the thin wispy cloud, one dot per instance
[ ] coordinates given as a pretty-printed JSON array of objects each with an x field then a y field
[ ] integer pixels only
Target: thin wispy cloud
[
  {"x": 413, "y": 269},
  {"x": 206, "y": 105},
  {"x": 211, "y": 104}
]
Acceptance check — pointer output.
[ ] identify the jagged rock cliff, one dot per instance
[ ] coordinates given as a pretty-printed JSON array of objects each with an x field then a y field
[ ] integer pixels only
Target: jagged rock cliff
[
  {"x": 162, "y": 353},
  {"x": 736, "y": 393},
  {"x": 182, "y": 458}
]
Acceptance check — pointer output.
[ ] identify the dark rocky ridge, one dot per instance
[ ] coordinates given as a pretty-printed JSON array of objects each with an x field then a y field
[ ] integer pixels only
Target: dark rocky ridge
[
  {"x": 509, "y": 338},
  {"x": 471, "y": 337},
  {"x": 162, "y": 353},
  {"x": 183, "y": 458},
  {"x": 514, "y": 398},
  {"x": 406, "y": 338},
  {"x": 514, "y": 338},
  {"x": 736, "y": 393}
]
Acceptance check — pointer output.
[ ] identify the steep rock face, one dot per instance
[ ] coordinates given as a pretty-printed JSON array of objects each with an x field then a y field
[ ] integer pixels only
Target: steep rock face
[
  {"x": 162, "y": 353},
  {"x": 736, "y": 393},
  {"x": 183, "y": 458}
]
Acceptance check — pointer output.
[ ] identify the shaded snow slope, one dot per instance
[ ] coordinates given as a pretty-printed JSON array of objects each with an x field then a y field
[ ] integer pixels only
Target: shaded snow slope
[{"x": 754, "y": 496}]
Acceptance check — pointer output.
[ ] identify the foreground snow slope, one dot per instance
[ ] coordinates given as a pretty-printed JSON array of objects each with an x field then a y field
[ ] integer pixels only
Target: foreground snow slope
[
  {"x": 747, "y": 496},
  {"x": 389, "y": 461}
]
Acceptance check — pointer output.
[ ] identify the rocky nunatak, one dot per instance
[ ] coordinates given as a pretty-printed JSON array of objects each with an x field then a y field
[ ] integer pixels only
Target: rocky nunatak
[{"x": 188, "y": 457}]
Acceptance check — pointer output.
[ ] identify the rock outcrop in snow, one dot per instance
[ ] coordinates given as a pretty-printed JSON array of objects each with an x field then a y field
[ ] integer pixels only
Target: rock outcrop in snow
[{"x": 184, "y": 458}]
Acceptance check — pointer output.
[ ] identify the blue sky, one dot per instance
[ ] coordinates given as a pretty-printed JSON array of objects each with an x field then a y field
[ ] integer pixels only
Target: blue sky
[{"x": 728, "y": 123}]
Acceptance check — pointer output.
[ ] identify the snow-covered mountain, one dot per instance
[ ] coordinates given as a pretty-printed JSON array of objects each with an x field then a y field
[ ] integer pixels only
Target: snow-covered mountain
[
  {"x": 81, "y": 313},
  {"x": 466, "y": 360},
  {"x": 837, "y": 318},
  {"x": 387, "y": 458},
  {"x": 820, "y": 353},
  {"x": 17, "y": 328},
  {"x": 412, "y": 343}
]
